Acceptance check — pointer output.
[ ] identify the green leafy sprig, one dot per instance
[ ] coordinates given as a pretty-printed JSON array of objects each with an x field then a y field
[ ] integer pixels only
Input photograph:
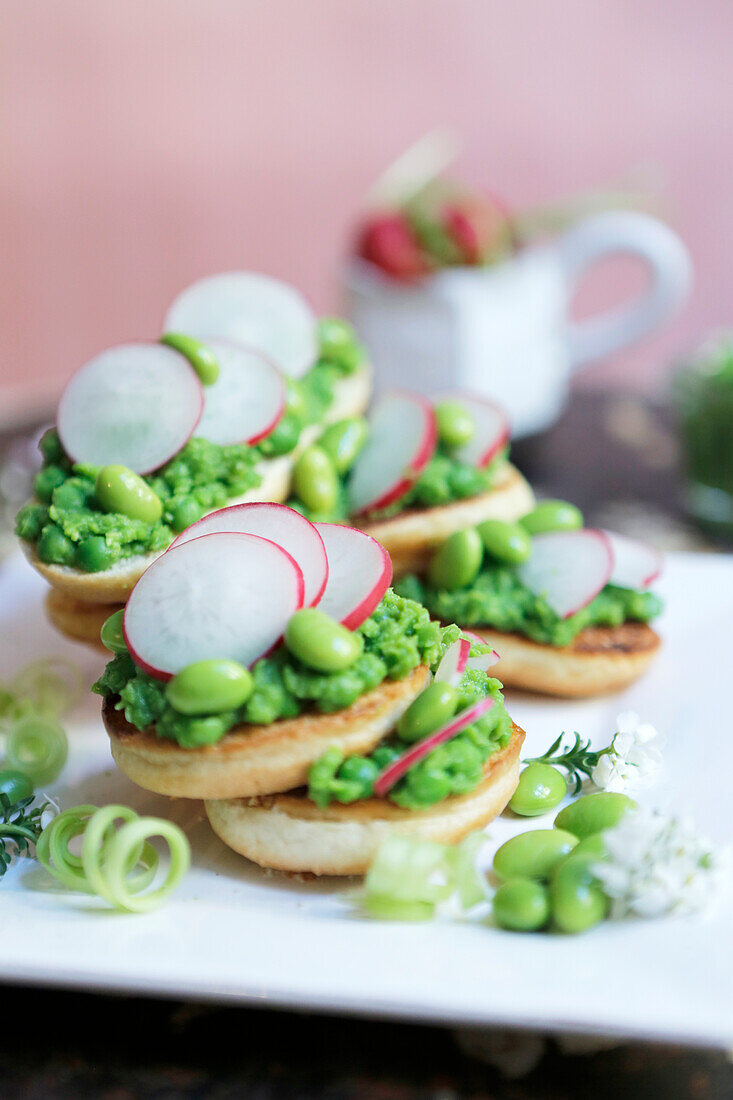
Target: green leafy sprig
[
  {"x": 19, "y": 826},
  {"x": 579, "y": 759}
]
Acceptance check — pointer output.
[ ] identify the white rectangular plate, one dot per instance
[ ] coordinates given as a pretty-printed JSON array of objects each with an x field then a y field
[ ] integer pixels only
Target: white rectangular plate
[{"x": 233, "y": 933}]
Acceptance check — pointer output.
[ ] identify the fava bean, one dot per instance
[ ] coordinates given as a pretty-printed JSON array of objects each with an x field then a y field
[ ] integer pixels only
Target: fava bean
[
  {"x": 185, "y": 513},
  {"x": 455, "y": 423},
  {"x": 552, "y": 515},
  {"x": 507, "y": 542},
  {"x": 343, "y": 441},
  {"x": 521, "y": 905},
  {"x": 433, "y": 708},
  {"x": 93, "y": 554},
  {"x": 199, "y": 355},
  {"x": 534, "y": 854},
  {"x": 121, "y": 490},
  {"x": 295, "y": 400},
  {"x": 593, "y": 813},
  {"x": 54, "y": 547},
  {"x": 210, "y": 687},
  {"x": 320, "y": 642},
  {"x": 337, "y": 341},
  {"x": 590, "y": 846},
  {"x": 577, "y": 902},
  {"x": 112, "y": 635},
  {"x": 458, "y": 560},
  {"x": 315, "y": 480},
  {"x": 541, "y": 787}
]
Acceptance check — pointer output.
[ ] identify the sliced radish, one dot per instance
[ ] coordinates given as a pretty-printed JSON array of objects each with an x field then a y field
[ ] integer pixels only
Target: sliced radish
[
  {"x": 402, "y": 438},
  {"x": 246, "y": 401},
  {"x": 483, "y": 662},
  {"x": 568, "y": 568},
  {"x": 220, "y": 595},
  {"x": 135, "y": 404},
  {"x": 359, "y": 573},
  {"x": 491, "y": 428},
  {"x": 387, "y": 779},
  {"x": 453, "y": 663},
  {"x": 283, "y": 526},
  {"x": 255, "y": 310},
  {"x": 635, "y": 565}
]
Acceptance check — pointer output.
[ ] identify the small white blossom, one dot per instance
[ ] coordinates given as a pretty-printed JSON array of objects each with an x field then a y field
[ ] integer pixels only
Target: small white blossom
[
  {"x": 633, "y": 757},
  {"x": 51, "y": 810},
  {"x": 657, "y": 866}
]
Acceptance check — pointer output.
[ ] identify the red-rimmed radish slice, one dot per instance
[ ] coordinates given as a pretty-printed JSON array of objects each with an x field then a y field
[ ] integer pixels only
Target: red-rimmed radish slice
[
  {"x": 483, "y": 662},
  {"x": 491, "y": 428},
  {"x": 220, "y": 595},
  {"x": 453, "y": 663},
  {"x": 255, "y": 310},
  {"x": 283, "y": 526},
  {"x": 134, "y": 404},
  {"x": 635, "y": 565},
  {"x": 402, "y": 438},
  {"x": 473, "y": 636},
  {"x": 359, "y": 573},
  {"x": 568, "y": 568},
  {"x": 247, "y": 399},
  {"x": 394, "y": 772}
]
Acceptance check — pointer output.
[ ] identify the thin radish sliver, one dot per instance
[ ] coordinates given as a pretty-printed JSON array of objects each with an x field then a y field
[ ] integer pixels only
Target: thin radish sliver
[
  {"x": 283, "y": 526},
  {"x": 483, "y": 662},
  {"x": 135, "y": 404},
  {"x": 491, "y": 429},
  {"x": 453, "y": 663},
  {"x": 635, "y": 565},
  {"x": 402, "y": 439},
  {"x": 359, "y": 573},
  {"x": 255, "y": 310},
  {"x": 247, "y": 399},
  {"x": 220, "y": 595},
  {"x": 568, "y": 568},
  {"x": 387, "y": 779}
]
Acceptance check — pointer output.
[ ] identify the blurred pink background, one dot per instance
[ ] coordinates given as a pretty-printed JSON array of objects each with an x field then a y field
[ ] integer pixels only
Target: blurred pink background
[{"x": 148, "y": 142}]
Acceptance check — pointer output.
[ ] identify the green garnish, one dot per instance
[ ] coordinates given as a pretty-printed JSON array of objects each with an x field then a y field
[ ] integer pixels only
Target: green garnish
[
  {"x": 579, "y": 760},
  {"x": 20, "y": 826}
]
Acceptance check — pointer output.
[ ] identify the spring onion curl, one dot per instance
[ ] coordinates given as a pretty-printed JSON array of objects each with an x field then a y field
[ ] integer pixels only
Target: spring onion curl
[
  {"x": 38, "y": 747},
  {"x": 117, "y": 863},
  {"x": 409, "y": 877}
]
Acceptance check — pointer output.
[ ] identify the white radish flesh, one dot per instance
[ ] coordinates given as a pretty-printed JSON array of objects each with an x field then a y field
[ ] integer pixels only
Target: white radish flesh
[
  {"x": 491, "y": 429},
  {"x": 255, "y": 310},
  {"x": 220, "y": 595},
  {"x": 247, "y": 399},
  {"x": 568, "y": 568},
  {"x": 283, "y": 526},
  {"x": 135, "y": 405},
  {"x": 402, "y": 439},
  {"x": 635, "y": 565},
  {"x": 359, "y": 573},
  {"x": 453, "y": 663}
]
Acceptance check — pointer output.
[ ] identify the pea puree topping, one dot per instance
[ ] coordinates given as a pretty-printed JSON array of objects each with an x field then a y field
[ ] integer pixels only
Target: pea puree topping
[
  {"x": 497, "y": 598},
  {"x": 444, "y": 480},
  {"x": 394, "y": 640},
  {"x": 69, "y": 524}
]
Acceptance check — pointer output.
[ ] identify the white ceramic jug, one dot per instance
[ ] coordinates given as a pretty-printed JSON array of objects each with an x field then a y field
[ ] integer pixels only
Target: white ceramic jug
[{"x": 504, "y": 331}]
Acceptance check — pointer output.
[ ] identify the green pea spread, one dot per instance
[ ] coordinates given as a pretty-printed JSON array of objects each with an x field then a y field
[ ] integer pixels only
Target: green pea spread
[
  {"x": 67, "y": 525},
  {"x": 443, "y": 481},
  {"x": 496, "y": 598},
  {"x": 397, "y": 637}
]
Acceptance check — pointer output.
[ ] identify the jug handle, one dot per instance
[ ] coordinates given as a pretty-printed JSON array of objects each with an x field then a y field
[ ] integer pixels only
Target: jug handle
[{"x": 624, "y": 233}]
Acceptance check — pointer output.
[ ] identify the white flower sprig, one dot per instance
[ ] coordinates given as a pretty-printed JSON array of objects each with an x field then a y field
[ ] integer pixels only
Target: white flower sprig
[
  {"x": 629, "y": 763},
  {"x": 633, "y": 758},
  {"x": 657, "y": 866}
]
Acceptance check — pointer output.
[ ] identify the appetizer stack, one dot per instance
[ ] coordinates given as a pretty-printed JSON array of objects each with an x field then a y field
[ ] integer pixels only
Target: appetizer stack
[
  {"x": 263, "y": 664},
  {"x": 567, "y": 607},
  {"x": 151, "y": 436}
]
